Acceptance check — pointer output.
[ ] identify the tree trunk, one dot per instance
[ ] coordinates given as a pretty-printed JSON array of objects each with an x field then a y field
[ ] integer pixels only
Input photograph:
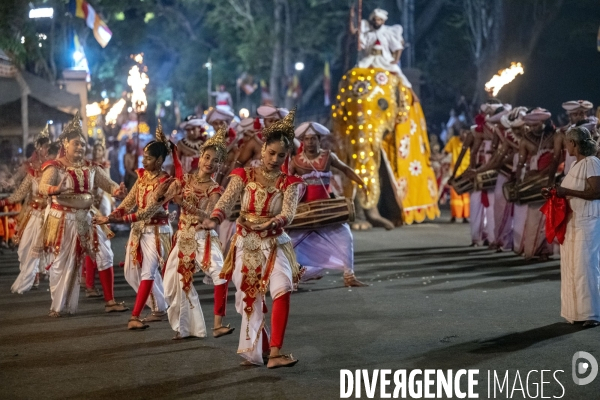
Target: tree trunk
[
  {"x": 24, "y": 107},
  {"x": 408, "y": 22},
  {"x": 276, "y": 67},
  {"x": 287, "y": 53}
]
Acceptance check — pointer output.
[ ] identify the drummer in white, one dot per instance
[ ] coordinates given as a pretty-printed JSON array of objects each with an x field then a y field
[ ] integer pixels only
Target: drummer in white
[{"x": 328, "y": 247}]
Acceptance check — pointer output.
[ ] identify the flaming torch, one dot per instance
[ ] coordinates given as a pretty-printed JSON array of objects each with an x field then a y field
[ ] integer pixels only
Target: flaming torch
[
  {"x": 504, "y": 77},
  {"x": 138, "y": 80},
  {"x": 114, "y": 112}
]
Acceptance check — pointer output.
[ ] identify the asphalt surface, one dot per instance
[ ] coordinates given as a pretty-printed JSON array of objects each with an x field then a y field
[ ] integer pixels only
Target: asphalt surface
[{"x": 433, "y": 303}]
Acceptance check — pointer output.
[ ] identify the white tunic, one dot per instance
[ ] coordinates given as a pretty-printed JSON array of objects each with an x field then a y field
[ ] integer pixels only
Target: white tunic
[
  {"x": 390, "y": 39},
  {"x": 580, "y": 252}
]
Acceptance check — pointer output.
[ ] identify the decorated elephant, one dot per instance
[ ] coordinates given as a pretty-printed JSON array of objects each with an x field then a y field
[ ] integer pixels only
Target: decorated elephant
[{"x": 380, "y": 132}]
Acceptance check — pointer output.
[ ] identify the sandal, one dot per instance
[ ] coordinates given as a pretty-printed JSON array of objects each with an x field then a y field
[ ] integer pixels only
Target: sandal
[
  {"x": 92, "y": 292},
  {"x": 591, "y": 324},
  {"x": 132, "y": 325},
  {"x": 117, "y": 307},
  {"x": 291, "y": 363},
  {"x": 155, "y": 316},
  {"x": 54, "y": 314},
  {"x": 228, "y": 332}
]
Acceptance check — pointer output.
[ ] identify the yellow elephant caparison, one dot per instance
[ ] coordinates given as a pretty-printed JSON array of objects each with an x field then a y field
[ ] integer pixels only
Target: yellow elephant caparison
[{"x": 378, "y": 125}]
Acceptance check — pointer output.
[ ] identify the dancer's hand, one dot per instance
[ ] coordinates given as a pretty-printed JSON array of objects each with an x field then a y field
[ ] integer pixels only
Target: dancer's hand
[
  {"x": 162, "y": 188},
  {"x": 121, "y": 192},
  {"x": 100, "y": 220},
  {"x": 270, "y": 224},
  {"x": 209, "y": 224},
  {"x": 60, "y": 188}
]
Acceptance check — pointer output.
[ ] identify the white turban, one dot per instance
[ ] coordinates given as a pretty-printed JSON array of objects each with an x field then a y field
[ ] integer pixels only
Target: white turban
[
  {"x": 378, "y": 12},
  {"x": 577, "y": 105},
  {"x": 272, "y": 112},
  {"x": 218, "y": 114},
  {"x": 310, "y": 128}
]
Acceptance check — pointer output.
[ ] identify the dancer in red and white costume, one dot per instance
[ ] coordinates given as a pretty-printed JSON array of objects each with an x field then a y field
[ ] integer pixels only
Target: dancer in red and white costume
[
  {"x": 151, "y": 233},
  {"x": 261, "y": 257},
  {"x": 329, "y": 247},
  {"x": 69, "y": 234},
  {"x": 103, "y": 205},
  {"x": 196, "y": 250},
  {"x": 29, "y": 232}
]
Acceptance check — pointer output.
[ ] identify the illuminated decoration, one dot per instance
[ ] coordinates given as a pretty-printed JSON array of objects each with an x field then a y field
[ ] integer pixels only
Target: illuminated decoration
[
  {"x": 244, "y": 113},
  {"x": 376, "y": 123},
  {"x": 93, "y": 110},
  {"x": 114, "y": 112},
  {"x": 138, "y": 80},
  {"x": 47, "y": 12},
  {"x": 504, "y": 77}
]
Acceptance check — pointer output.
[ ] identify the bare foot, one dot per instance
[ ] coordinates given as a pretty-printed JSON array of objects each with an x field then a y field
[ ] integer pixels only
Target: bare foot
[
  {"x": 247, "y": 363},
  {"x": 54, "y": 314},
  {"x": 177, "y": 336},
  {"x": 351, "y": 281},
  {"x": 281, "y": 360}
]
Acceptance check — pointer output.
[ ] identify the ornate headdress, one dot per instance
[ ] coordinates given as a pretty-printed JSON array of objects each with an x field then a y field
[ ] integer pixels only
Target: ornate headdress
[
  {"x": 284, "y": 126},
  {"x": 218, "y": 142},
  {"x": 160, "y": 137},
  {"x": 101, "y": 142},
  {"x": 44, "y": 134},
  {"x": 73, "y": 128}
]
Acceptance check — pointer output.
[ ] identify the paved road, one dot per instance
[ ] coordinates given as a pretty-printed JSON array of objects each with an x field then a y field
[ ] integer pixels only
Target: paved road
[{"x": 432, "y": 303}]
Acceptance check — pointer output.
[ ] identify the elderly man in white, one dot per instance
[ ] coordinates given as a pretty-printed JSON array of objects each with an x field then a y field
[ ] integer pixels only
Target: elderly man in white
[{"x": 381, "y": 45}]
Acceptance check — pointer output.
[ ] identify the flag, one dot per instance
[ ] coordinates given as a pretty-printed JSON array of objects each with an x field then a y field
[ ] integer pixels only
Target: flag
[
  {"x": 82, "y": 9},
  {"x": 327, "y": 85},
  {"x": 80, "y": 61}
]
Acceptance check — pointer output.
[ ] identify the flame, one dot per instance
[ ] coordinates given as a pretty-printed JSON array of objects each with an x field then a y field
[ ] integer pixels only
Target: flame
[
  {"x": 504, "y": 77},
  {"x": 115, "y": 110},
  {"x": 138, "y": 80},
  {"x": 92, "y": 110}
]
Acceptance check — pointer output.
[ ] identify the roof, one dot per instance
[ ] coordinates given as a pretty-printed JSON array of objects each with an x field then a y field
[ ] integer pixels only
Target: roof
[{"x": 41, "y": 90}]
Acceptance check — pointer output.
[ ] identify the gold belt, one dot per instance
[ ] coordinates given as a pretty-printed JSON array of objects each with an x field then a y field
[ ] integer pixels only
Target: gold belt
[{"x": 255, "y": 219}]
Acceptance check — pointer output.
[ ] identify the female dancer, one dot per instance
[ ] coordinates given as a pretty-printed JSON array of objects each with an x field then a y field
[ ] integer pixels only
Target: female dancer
[
  {"x": 68, "y": 232},
  {"x": 261, "y": 256},
  {"x": 151, "y": 232},
  {"x": 197, "y": 195},
  {"x": 103, "y": 204},
  {"x": 29, "y": 231}
]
